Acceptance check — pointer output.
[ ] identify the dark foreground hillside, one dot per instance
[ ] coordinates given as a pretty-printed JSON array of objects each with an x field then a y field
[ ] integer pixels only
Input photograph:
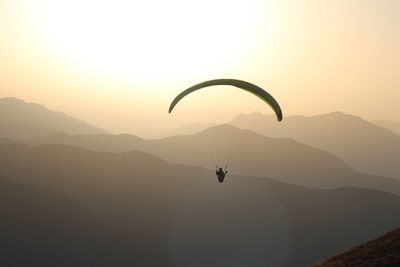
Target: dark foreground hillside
[
  {"x": 383, "y": 251},
  {"x": 42, "y": 228}
]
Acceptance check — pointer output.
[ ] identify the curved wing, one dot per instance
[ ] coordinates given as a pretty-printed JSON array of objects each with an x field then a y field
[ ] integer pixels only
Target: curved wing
[{"x": 249, "y": 87}]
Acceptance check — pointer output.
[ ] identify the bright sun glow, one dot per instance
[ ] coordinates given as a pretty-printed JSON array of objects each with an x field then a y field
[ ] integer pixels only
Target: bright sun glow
[{"x": 142, "y": 40}]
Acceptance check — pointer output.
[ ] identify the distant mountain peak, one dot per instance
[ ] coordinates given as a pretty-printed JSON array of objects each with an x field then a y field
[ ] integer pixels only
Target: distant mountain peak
[
  {"x": 187, "y": 129},
  {"x": 225, "y": 127},
  {"x": 364, "y": 145},
  {"x": 17, "y": 101},
  {"x": 11, "y": 99},
  {"x": 20, "y": 119},
  {"x": 331, "y": 115},
  {"x": 340, "y": 114}
]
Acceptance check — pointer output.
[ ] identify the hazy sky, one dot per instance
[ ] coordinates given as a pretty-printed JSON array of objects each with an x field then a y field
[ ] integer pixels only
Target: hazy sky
[{"x": 118, "y": 64}]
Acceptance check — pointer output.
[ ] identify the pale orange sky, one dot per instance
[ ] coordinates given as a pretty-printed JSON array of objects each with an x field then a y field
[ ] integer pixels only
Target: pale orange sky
[{"x": 118, "y": 64}]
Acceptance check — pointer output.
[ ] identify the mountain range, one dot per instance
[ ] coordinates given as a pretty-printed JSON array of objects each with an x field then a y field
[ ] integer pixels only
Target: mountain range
[
  {"x": 245, "y": 152},
  {"x": 85, "y": 197},
  {"x": 187, "y": 129},
  {"x": 21, "y": 120},
  {"x": 182, "y": 213},
  {"x": 363, "y": 145}
]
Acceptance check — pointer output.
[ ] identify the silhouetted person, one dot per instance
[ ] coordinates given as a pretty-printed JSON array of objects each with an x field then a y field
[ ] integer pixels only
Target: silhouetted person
[{"x": 221, "y": 174}]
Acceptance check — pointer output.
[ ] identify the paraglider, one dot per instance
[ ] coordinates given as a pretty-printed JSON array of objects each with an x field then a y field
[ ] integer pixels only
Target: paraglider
[
  {"x": 221, "y": 173},
  {"x": 249, "y": 87}
]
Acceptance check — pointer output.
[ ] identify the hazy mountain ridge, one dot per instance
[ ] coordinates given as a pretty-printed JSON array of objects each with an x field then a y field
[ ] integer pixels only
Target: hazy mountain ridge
[
  {"x": 365, "y": 146},
  {"x": 111, "y": 143},
  {"x": 168, "y": 207},
  {"x": 391, "y": 125},
  {"x": 21, "y": 120},
  {"x": 281, "y": 158},
  {"x": 22, "y": 131},
  {"x": 187, "y": 129},
  {"x": 383, "y": 251}
]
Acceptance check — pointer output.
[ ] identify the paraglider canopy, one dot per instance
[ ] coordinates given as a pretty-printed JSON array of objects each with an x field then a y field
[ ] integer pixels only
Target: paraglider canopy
[{"x": 249, "y": 87}]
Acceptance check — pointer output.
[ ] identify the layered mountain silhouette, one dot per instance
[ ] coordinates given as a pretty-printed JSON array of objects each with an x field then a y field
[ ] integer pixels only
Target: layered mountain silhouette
[
  {"x": 82, "y": 197},
  {"x": 245, "y": 152},
  {"x": 182, "y": 213},
  {"x": 20, "y": 131},
  {"x": 42, "y": 228},
  {"x": 20, "y": 120},
  {"x": 383, "y": 251},
  {"x": 365, "y": 146}
]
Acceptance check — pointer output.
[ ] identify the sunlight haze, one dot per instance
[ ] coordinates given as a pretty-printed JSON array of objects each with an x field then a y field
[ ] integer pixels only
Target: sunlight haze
[{"x": 118, "y": 64}]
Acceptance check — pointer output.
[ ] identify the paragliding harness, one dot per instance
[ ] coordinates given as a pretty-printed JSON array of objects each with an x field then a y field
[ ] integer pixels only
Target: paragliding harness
[{"x": 221, "y": 173}]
